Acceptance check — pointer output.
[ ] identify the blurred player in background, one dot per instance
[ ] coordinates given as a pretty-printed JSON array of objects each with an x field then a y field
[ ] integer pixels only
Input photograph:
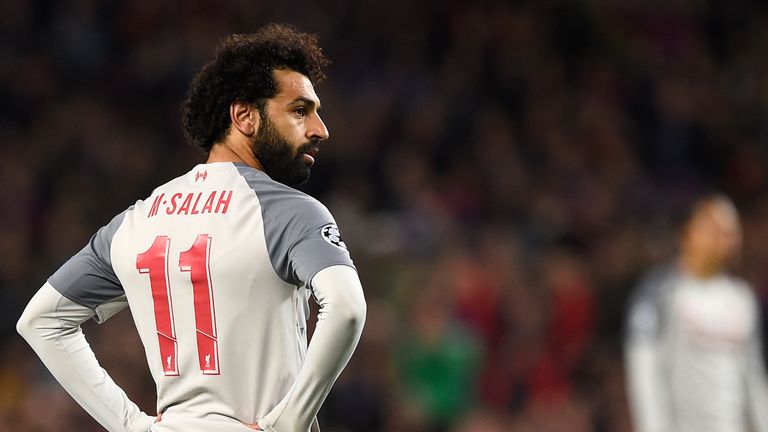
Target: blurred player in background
[
  {"x": 217, "y": 265},
  {"x": 693, "y": 351}
]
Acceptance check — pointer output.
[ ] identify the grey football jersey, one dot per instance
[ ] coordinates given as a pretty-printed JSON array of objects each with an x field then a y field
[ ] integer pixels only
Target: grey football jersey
[
  {"x": 693, "y": 354},
  {"x": 216, "y": 267}
]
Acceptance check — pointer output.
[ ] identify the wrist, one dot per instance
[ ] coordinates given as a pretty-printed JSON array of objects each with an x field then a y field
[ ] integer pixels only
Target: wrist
[{"x": 142, "y": 423}]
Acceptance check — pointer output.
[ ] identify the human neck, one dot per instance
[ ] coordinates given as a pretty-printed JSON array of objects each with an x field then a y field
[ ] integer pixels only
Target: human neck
[
  {"x": 699, "y": 267},
  {"x": 224, "y": 152}
]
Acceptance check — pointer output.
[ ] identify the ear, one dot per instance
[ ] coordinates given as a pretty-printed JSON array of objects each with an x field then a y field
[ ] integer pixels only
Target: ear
[{"x": 244, "y": 117}]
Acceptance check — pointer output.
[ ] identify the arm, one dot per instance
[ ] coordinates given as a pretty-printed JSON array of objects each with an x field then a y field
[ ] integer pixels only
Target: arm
[
  {"x": 340, "y": 322},
  {"x": 51, "y": 325},
  {"x": 646, "y": 391},
  {"x": 647, "y": 397},
  {"x": 756, "y": 383}
]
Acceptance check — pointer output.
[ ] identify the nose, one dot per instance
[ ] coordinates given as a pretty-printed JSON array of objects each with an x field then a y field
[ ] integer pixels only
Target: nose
[{"x": 317, "y": 129}]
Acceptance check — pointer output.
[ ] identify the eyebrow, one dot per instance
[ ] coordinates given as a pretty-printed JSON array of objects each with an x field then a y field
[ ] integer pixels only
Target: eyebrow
[{"x": 307, "y": 101}]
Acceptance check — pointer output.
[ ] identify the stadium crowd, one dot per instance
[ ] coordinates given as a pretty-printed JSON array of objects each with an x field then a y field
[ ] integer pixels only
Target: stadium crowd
[{"x": 501, "y": 171}]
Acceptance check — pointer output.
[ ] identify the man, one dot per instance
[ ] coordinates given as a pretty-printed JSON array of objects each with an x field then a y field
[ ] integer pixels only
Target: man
[
  {"x": 693, "y": 346},
  {"x": 217, "y": 265}
]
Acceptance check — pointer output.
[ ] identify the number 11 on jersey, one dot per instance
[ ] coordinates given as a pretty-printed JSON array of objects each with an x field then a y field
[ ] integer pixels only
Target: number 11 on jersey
[{"x": 196, "y": 261}]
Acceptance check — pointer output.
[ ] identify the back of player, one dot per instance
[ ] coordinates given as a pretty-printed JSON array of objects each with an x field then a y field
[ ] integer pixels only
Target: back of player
[
  {"x": 217, "y": 264},
  {"x": 209, "y": 266},
  {"x": 194, "y": 263}
]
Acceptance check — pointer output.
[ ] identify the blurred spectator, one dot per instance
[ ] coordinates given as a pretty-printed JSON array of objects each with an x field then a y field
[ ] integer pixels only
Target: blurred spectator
[
  {"x": 694, "y": 356},
  {"x": 438, "y": 362}
]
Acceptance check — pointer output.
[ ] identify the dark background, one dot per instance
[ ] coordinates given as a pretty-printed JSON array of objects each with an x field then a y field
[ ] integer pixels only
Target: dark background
[{"x": 503, "y": 172}]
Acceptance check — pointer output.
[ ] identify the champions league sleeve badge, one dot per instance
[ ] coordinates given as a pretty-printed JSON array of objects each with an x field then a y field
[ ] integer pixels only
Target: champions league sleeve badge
[{"x": 331, "y": 234}]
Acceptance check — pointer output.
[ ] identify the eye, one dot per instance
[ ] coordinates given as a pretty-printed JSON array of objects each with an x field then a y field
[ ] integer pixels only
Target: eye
[{"x": 300, "y": 111}]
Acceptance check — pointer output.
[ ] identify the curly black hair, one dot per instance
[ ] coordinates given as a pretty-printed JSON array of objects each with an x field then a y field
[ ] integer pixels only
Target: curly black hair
[{"x": 242, "y": 70}]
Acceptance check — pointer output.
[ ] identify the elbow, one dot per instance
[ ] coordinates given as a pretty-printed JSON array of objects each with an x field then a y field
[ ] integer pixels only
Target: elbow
[
  {"x": 357, "y": 317},
  {"x": 355, "y": 312},
  {"x": 42, "y": 319},
  {"x": 341, "y": 298},
  {"x": 25, "y": 325},
  {"x": 37, "y": 323}
]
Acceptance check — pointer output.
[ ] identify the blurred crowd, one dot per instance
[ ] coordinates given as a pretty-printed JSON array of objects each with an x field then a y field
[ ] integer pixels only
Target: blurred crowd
[{"x": 502, "y": 172}]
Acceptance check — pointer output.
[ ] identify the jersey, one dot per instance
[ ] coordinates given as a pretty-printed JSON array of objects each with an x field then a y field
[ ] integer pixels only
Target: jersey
[
  {"x": 694, "y": 359},
  {"x": 216, "y": 267}
]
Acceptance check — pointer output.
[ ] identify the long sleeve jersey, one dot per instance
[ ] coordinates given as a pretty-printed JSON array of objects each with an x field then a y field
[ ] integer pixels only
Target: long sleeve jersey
[
  {"x": 217, "y": 267},
  {"x": 693, "y": 355}
]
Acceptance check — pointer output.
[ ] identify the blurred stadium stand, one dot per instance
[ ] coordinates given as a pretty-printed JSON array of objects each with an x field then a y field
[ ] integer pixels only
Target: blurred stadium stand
[{"x": 502, "y": 172}]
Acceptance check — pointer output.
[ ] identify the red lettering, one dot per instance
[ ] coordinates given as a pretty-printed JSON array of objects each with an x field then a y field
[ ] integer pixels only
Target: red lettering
[
  {"x": 209, "y": 203},
  {"x": 185, "y": 205},
  {"x": 172, "y": 208},
  {"x": 197, "y": 200},
  {"x": 223, "y": 201},
  {"x": 155, "y": 205}
]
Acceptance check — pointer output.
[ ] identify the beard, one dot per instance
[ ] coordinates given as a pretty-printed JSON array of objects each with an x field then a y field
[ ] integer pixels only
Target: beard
[{"x": 278, "y": 158}]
